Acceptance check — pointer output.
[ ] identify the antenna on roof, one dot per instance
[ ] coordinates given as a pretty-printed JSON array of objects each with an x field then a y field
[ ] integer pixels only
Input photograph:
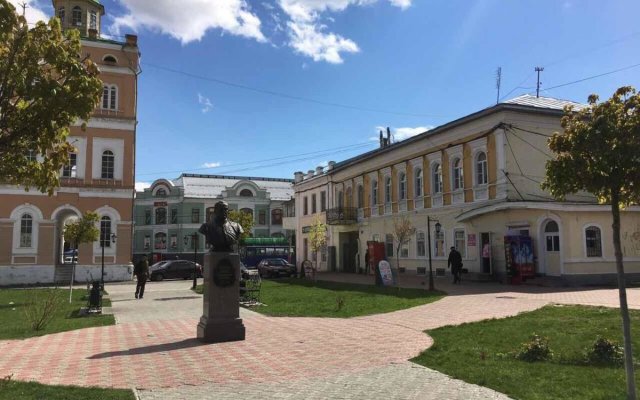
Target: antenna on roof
[
  {"x": 498, "y": 82},
  {"x": 538, "y": 70}
]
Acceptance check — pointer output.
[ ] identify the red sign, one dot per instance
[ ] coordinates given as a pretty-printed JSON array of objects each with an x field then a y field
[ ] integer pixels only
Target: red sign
[
  {"x": 160, "y": 204},
  {"x": 471, "y": 239}
]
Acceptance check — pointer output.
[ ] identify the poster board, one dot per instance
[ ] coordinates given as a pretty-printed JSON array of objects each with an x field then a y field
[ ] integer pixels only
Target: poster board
[{"x": 386, "y": 276}]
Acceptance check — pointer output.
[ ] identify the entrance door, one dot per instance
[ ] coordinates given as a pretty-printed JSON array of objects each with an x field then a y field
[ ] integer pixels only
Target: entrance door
[
  {"x": 486, "y": 254},
  {"x": 552, "y": 248}
]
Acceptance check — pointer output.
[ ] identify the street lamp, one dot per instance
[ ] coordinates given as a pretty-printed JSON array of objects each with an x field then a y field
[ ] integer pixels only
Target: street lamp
[
  {"x": 194, "y": 240},
  {"x": 113, "y": 240},
  {"x": 438, "y": 227}
]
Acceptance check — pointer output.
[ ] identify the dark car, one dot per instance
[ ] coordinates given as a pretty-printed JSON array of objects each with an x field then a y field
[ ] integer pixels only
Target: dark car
[
  {"x": 272, "y": 267},
  {"x": 174, "y": 269}
]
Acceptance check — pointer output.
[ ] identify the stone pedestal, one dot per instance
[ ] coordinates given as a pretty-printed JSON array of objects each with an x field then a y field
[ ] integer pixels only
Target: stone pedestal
[{"x": 220, "y": 321}]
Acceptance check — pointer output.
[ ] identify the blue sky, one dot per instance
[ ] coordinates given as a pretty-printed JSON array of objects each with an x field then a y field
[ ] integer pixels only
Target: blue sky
[{"x": 407, "y": 64}]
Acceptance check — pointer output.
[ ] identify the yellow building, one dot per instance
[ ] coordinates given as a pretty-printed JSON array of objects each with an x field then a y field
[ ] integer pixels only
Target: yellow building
[
  {"x": 99, "y": 177},
  {"x": 479, "y": 178}
]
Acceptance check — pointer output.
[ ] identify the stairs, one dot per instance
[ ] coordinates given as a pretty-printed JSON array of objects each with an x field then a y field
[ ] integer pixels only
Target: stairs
[{"x": 62, "y": 273}]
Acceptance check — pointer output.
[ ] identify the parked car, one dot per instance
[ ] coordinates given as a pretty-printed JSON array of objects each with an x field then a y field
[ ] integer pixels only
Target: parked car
[
  {"x": 174, "y": 269},
  {"x": 272, "y": 267}
]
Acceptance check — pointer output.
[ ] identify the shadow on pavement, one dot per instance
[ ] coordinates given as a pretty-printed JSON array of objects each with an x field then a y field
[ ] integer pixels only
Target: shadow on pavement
[
  {"x": 156, "y": 348},
  {"x": 178, "y": 298}
]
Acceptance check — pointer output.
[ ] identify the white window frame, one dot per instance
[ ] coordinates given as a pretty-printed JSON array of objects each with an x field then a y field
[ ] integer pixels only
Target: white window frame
[
  {"x": 481, "y": 169},
  {"x": 102, "y": 165},
  {"x": 421, "y": 237},
  {"x": 435, "y": 237},
  {"x": 110, "y": 94},
  {"x": 76, "y": 16},
  {"x": 584, "y": 241},
  {"x": 113, "y": 214},
  {"x": 374, "y": 193},
  {"x": 16, "y": 217},
  {"x": 480, "y": 189},
  {"x": 71, "y": 169},
  {"x": 402, "y": 185},
  {"x": 463, "y": 249},
  {"x": 457, "y": 174},
  {"x": 436, "y": 184}
]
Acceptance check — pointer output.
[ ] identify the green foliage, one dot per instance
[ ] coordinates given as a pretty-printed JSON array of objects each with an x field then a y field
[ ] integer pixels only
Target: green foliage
[
  {"x": 13, "y": 389},
  {"x": 339, "y": 302},
  {"x": 605, "y": 352},
  {"x": 244, "y": 219},
  {"x": 536, "y": 349},
  {"x": 42, "y": 307},
  {"x": 317, "y": 235},
  {"x": 83, "y": 230},
  {"x": 44, "y": 87}
]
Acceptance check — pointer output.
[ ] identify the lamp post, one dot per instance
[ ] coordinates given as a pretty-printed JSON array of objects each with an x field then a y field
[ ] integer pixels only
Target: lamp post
[
  {"x": 194, "y": 240},
  {"x": 113, "y": 240},
  {"x": 437, "y": 226}
]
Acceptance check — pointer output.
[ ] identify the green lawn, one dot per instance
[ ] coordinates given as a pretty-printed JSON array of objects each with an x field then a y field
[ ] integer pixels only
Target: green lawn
[
  {"x": 15, "y": 325},
  {"x": 12, "y": 390},
  {"x": 482, "y": 353},
  {"x": 302, "y": 298}
]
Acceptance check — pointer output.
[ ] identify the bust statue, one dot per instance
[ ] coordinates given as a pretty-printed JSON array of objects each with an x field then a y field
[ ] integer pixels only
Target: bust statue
[{"x": 220, "y": 233}]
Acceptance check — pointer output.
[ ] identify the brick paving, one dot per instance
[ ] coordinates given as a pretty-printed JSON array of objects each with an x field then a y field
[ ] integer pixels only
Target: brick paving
[{"x": 152, "y": 348}]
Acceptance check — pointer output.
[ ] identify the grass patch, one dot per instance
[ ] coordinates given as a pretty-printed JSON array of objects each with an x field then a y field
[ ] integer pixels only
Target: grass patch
[
  {"x": 15, "y": 325},
  {"x": 302, "y": 298},
  {"x": 484, "y": 353},
  {"x": 10, "y": 390}
]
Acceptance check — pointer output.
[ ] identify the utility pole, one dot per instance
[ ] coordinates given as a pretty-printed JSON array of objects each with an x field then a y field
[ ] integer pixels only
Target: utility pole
[
  {"x": 498, "y": 82},
  {"x": 538, "y": 70}
]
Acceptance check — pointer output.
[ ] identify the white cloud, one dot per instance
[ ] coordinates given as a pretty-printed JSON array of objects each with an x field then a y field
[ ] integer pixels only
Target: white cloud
[
  {"x": 141, "y": 186},
  {"x": 400, "y": 134},
  {"x": 211, "y": 164},
  {"x": 310, "y": 38},
  {"x": 205, "y": 103},
  {"x": 33, "y": 12},
  {"x": 189, "y": 20}
]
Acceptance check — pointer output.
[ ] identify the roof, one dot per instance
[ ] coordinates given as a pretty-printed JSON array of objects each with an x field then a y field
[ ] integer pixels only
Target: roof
[
  {"x": 212, "y": 186},
  {"x": 544, "y": 102}
]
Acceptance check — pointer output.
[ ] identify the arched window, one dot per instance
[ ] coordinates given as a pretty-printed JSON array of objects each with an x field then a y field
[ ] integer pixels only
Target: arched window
[
  {"x": 93, "y": 20},
  {"x": 340, "y": 199},
  {"x": 109, "y": 59},
  {"x": 76, "y": 16},
  {"x": 108, "y": 164},
  {"x": 26, "y": 230},
  {"x": 276, "y": 216},
  {"x": 402, "y": 186},
  {"x": 110, "y": 97},
  {"x": 349, "y": 199},
  {"x": 105, "y": 232},
  {"x": 61, "y": 14},
  {"x": 161, "y": 216},
  {"x": 418, "y": 182},
  {"x": 481, "y": 169},
  {"x": 374, "y": 192},
  {"x": 552, "y": 226},
  {"x": 71, "y": 169},
  {"x": 458, "y": 182},
  {"x": 246, "y": 193},
  {"x": 436, "y": 173},
  {"x": 552, "y": 236},
  {"x": 161, "y": 193},
  {"x": 387, "y": 189},
  {"x": 360, "y": 196},
  {"x": 593, "y": 241}
]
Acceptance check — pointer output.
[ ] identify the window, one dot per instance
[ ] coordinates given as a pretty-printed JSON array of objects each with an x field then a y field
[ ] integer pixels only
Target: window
[
  {"x": 305, "y": 206},
  {"x": 323, "y": 253},
  {"x": 108, "y": 164},
  {"x": 160, "y": 241},
  {"x": 161, "y": 216},
  {"x": 481, "y": 169},
  {"x": 161, "y": 193},
  {"x": 420, "y": 244},
  {"x": 459, "y": 242},
  {"x": 246, "y": 193},
  {"x": 340, "y": 199},
  {"x": 436, "y": 178},
  {"x": 418, "y": 182},
  {"x": 457, "y": 174},
  {"x": 313, "y": 204},
  {"x": 276, "y": 216},
  {"x": 262, "y": 217},
  {"x": 173, "y": 241},
  {"x": 389, "y": 245},
  {"x": 26, "y": 230},
  {"x": 61, "y": 14},
  {"x": 147, "y": 217},
  {"x": 552, "y": 236},
  {"x": 76, "y": 16},
  {"x": 374, "y": 192},
  {"x": 32, "y": 156},
  {"x": 360, "y": 196},
  {"x": 147, "y": 242},
  {"x": 109, "y": 97},
  {"x": 323, "y": 201},
  {"x": 195, "y": 215},
  {"x": 349, "y": 199},
  {"x": 593, "y": 241},
  {"x": 387, "y": 189},
  {"x": 174, "y": 215},
  {"x": 70, "y": 170},
  {"x": 93, "y": 20},
  {"x": 402, "y": 186},
  {"x": 109, "y": 59},
  {"x": 404, "y": 250},
  {"x": 105, "y": 232},
  {"x": 438, "y": 244}
]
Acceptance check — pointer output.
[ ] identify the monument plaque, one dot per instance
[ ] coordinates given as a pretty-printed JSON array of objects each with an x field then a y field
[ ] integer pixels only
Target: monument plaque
[{"x": 224, "y": 274}]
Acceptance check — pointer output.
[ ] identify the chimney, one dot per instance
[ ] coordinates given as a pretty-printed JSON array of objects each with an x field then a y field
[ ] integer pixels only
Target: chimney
[
  {"x": 298, "y": 176},
  {"x": 93, "y": 33},
  {"x": 381, "y": 139},
  {"x": 388, "y": 136},
  {"x": 310, "y": 174},
  {"x": 319, "y": 170},
  {"x": 331, "y": 165},
  {"x": 131, "y": 40}
]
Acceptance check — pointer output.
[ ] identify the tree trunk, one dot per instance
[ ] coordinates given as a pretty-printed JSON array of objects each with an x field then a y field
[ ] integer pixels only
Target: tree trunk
[{"x": 624, "y": 309}]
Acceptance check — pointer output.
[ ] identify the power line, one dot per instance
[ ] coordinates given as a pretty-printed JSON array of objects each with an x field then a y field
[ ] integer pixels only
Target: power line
[
  {"x": 286, "y": 95},
  {"x": 594, "y": 76},
  {"x": 533, "y": 146},
  {"x": 528, "y": 131}
]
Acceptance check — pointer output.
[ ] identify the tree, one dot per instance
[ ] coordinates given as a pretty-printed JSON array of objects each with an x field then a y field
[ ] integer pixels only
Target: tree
[
  {"x": 83, "y": 230},
  {"x": 317, "y": 241},
  {"x": 599, "y": 153},
  {"x": 44, "y": 87},
  {"x": 403, "y": 229},
  {"x": 245, "y": 220}
]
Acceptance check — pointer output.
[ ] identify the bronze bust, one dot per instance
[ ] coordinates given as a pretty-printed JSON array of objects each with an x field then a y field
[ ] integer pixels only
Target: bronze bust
[{"x": 220, "y": 233}]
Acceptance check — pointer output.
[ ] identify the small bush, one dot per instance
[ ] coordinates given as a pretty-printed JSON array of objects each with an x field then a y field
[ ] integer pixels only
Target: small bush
[
  {"x": 339, "y": 303},
  {"x": 604, "y": 352},
  {"x": 42, "y": 308},
  {"x": 536, "y": 349}
]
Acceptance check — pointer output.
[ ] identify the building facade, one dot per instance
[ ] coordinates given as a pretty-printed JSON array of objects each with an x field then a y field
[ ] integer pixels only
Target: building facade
[
  {"x": 479, "y": 178},
  {"x": 169, "y": 212},
  {"x": 99, "y": 177}
]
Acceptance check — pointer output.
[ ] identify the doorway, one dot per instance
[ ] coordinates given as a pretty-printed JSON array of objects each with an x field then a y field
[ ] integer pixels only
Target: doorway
[
  {"x": 486, "y": 253},
  {"x": 551, "y": 236}
]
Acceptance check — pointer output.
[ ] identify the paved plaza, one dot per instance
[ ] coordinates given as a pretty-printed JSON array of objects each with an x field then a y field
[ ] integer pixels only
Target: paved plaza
[{"x": 153, "y": 349}]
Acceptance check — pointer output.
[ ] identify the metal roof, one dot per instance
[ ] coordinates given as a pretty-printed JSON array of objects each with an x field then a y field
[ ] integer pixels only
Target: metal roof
[
  {"x": 212, "y": 186},
  {"x": 544, "y": 102}
]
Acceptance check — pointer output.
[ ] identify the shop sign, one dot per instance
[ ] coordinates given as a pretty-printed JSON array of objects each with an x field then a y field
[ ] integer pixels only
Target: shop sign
[
  {"x": 160, "y": 204},
  {"x": 471, "y": 239}
]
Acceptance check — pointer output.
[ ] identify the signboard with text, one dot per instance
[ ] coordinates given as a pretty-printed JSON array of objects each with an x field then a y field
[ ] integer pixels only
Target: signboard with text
[
  {"x": 471, "y": 239},
  {"x": 386, "y": 276}
]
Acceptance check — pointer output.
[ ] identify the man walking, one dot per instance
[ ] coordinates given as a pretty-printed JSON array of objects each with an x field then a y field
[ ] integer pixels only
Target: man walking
[
  {"x": 141, "y": 271},
  {"x": 455, "y": 262}
]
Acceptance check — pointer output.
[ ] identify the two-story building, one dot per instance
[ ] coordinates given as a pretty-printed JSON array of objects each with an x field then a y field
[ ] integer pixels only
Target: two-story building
[
  {"x": 99, "y": 177},
  {"x": 478, "y": 179},
  {"x": 169, "y": 212}
]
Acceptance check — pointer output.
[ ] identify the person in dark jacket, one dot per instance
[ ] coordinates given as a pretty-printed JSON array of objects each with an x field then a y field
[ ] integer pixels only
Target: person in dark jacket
[
  {"x": 455, "y": 262},
  {"x": 141, "y": 271}
]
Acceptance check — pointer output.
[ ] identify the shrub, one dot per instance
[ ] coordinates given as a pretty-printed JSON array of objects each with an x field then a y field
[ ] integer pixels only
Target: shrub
[
  {"x": 339, "y": 303},
  {"x": 536, "y": 349},
  {"x": 42, "y": 308},
  {"x": 605, "y": 352}
]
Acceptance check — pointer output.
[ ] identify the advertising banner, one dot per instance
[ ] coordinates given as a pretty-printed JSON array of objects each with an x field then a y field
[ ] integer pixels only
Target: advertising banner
[{"x": 386, "y": 276}]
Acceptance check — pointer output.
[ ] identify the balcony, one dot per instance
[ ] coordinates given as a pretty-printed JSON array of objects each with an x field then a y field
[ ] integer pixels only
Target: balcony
[{"x": 342, "y": 216}]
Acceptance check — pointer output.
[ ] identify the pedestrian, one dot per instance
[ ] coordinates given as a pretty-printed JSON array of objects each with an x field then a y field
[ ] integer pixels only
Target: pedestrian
[
  {"x": 366, "y": 262},
  {"x": 455, "y": 262},
  {"x": 486, "y": 258},
  {"x": 141, "y": 271}
]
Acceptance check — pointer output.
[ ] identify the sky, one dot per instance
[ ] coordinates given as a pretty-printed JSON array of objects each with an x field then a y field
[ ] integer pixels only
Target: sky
[{"x": 269, "y": 87}]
